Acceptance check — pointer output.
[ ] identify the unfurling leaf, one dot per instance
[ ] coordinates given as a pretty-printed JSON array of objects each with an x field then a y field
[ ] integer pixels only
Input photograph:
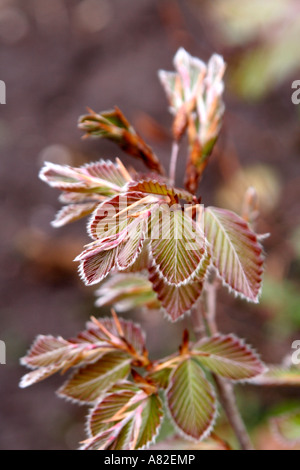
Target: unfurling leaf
[
  {"x": 125, "y": 419},
  {"x": 229, "y": 357},
  {"x": 84, "y": 188},
  {"x": 126, "y": 291},
  {"x": 183, "y": 87},
  {"x": 131, "y": 332},
  {"x": 236, "y": 252},
  {"x": 90, "y": 382},
  {"x": 118, "y": 252},
  {"x": 191, "y": 400},
  {"x": 73, "y": 212},
  {"x": 102, "y": 177},
  {"x": 195, "y": 93},
  {"x": 150, "y": 186},
  {"x": 114, "y": 126},
  {"x": 177, "y": 247},
  {"x": 102, "y": 339},
  {"x": 50, "y": 351}
]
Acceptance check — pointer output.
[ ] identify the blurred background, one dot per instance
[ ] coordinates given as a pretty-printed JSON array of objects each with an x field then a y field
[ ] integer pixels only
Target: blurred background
[{"x": 59, "y": 56}]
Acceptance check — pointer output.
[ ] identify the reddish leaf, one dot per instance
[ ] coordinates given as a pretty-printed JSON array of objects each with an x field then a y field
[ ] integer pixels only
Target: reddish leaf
[
  {"x": 236, "y": 252},
  {"x": 125, "y": 419},
  {"x": 177, "y": 300},
  {"x": 103, "y": 177},
  {"x": 126, "y": 291},
  {"x": 37, "y": 375},
  {"x": 229, "y": 357},
  {"x": 72, "y": 213},
  {"x": 118, "y": 251},
  {"x": 114, "y": 126},
  {"x": 132, "y": 332}
]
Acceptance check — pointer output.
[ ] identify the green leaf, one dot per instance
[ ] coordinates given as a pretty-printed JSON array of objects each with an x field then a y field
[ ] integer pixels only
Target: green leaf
[
  {"x": 177, "y": 247},
  {"x": 191, "y": 400},
  {"x": 229, "y": 357},
  {"x": 125, "y": 419},
  {"x": 236, "y": 252},
  {"x": 89, "y": 383}
]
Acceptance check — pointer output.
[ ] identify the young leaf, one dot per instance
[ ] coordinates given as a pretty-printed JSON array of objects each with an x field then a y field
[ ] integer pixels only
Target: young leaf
[
  {"x": 37, "y": 375},
  {"x": 126, "y": 292},
  {"x": 229, "y": 357},
  {"x": 72, "y": 213},
  {"x": 177, "y": 300},
  {"x": 236, "y": 252},
  {"x": 119, "y": 251},
  {"x": 50, "y": 351},
  {"x": 125, "y": 419},
  {"x": 191, "y": 400},
  {"x": 132, "y": 333},
  {"x": 150, "y": 186},
  {"x": 178, "y": 247},
  {"x": 48, "y": 354},
  {"x": 103, "y": 177},
  {"x": 109, "y": 218},
  {"x": 90, "y": 382},
  {"x": 114, "y": 126}
]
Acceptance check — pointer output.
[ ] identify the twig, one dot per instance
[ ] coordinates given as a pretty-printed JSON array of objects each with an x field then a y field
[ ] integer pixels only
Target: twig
[{"x": 173, "y": 162}]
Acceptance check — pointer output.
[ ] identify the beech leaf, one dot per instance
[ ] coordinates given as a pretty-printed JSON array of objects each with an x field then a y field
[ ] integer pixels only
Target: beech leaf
[
  {"x": 119, "y": 251},
  {"x": 90, "y": 382},
  {"x": 177, "y": 300},
  {"x": 178, "y": 247},
  {"x": 126, "y": 291},
  {"x": 72, "y": 213},
  {"x": 102, "y": 177},
  {"x": 229, "y": 357},
  {"x": 125, "y": 419},
  {"x": 191, "y": 400},
  {"x": 236, "y": 252}
]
